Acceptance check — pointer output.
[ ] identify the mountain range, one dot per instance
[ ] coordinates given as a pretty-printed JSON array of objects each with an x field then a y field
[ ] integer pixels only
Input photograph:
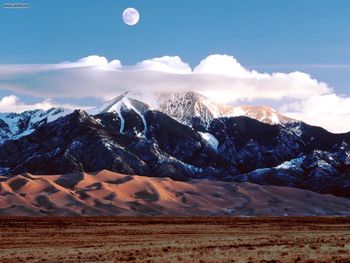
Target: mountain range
[
  {"x": 184, "y": 136},
  {"x": 186, "y": 107},
  {"x": 17, "y": 125}
]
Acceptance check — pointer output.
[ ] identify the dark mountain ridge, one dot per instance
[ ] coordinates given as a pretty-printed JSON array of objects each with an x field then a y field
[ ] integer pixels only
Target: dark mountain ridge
[{"x": 152, "y": 143}]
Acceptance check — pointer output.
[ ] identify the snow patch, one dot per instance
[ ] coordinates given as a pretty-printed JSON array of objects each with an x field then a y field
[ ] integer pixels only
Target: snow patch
[
  {"x": 117, "y": 108},
  {"x": 4, "y": 170},
  {"x": 210, "y": 139},
  {"x": 297, "y": 130},
  {"x": 294, "y": 163},
  {"x": 130, "y": 106},
  {"x": 274, "y": 119}
]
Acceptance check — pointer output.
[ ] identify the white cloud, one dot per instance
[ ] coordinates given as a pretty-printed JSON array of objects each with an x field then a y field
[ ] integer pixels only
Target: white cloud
[
  {"x": 223, "y": 65},
  {"x": 247, "y": 85},
  {"x": 165, "y": 64},
  {"x": 13, "y": 104},
  {"x": 94, "y": 61},
  {"x": 220, "y": 77},
  {"x": 329, "y": 111}
]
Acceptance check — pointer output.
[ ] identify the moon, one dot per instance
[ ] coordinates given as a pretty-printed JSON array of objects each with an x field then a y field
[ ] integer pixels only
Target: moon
[{"x": 131, "y": 16}]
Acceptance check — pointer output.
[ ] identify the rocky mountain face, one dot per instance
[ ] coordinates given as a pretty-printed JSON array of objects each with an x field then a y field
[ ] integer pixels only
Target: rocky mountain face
[
  {"x": 189, "y": 108},
  {"x": 130, "y": 137},
  {"x": 192, "y": 108},
  {"x": 17, "y": 125}
]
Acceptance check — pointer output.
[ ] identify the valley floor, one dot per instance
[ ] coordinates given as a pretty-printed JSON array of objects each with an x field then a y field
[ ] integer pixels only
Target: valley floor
[{"x": 173, "y": 239}]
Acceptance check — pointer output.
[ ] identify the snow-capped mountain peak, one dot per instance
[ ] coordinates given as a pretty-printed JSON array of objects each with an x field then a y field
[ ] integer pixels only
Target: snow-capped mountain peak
[
  {"x": 17, "y": 125},
  {"x": 182, "y": 106},
  {"x": 185, "y": 106},
  {"x": 125, "y": 102},
  {"x": 263, "y": 113}
]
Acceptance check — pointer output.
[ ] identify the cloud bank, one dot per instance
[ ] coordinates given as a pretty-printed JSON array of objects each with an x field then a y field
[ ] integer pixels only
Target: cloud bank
[
  {"x": 13, "y": 104},
  {"x": 219, "y": 77}
]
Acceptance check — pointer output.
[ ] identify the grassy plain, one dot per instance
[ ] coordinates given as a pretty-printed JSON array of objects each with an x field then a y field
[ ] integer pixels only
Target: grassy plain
[{"x": 174, "y": 239}]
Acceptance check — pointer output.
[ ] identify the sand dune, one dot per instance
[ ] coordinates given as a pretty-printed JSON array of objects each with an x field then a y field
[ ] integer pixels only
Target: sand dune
[{"x": 108, "y": 193}]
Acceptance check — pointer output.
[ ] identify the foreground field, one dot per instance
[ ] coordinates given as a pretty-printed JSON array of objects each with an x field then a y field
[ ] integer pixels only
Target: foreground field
[{"x": 166, "y": 239}]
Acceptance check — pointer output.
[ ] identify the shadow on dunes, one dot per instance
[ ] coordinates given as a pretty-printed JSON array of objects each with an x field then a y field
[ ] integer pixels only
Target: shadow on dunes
[
  {"x": 18, "y": 182},
  {"x": 122, "y": 180},
  {"x": 69, "y": 180},
  {"x": 108, "y": 193}
]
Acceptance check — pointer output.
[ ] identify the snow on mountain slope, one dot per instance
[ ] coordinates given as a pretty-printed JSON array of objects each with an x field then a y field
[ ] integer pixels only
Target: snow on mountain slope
[
  {"x": 185, "y": 106},
  {"x": 264, "y": 114},
  {"x": 17, "y": 125},
  {"x": 125, "y": 102},
  {"x": 210, "y": 139}
]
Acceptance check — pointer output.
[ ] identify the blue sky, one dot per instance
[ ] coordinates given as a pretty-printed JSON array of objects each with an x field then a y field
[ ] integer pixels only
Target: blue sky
[
  {"x": 311, "y": 36},
  {"x": 256, "y": 32}
]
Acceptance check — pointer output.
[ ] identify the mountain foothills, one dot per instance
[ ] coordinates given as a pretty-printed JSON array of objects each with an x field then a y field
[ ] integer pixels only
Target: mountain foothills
[{"x": 186, "y": 136}]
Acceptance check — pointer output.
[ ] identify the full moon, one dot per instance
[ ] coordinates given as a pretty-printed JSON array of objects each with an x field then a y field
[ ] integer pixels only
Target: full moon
[{"x": 131, "y": 16}]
